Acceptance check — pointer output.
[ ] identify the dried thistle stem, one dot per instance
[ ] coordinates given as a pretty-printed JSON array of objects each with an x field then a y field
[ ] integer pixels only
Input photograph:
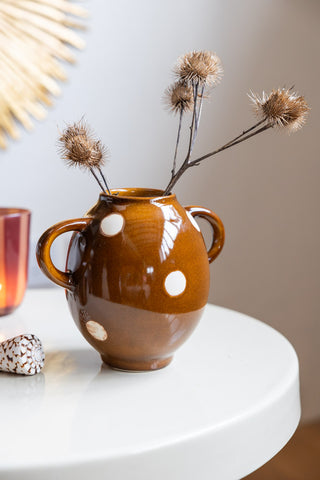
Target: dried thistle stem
[
  {"x": 193, "y": 127},
  {"x": 104, "y": 180},
  {"x": 177, "y": 143},
  {"x": 231, "y": 143},
  {"x": 96, "y": 177},
  {"x": 200, "y": 109},
  {"x": 191, "y": 137},
  {"x": 179, "y": 99},
  {"x": 246, "y": 131}
]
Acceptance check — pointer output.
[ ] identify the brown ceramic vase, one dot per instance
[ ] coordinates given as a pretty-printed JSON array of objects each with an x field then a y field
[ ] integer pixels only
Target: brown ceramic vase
[{"x": 137, "y": 274}]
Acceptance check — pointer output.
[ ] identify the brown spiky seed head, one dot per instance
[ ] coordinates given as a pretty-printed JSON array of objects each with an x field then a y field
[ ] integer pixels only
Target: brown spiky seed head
[
  {"x": 179, "y": 97},
  {"x": 79, "y": 148},
  {"x": 282, "y": 107},
  {"x": 201, "y": 67}
]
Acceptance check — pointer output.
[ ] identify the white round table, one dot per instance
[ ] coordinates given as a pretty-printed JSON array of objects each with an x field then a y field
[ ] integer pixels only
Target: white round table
[{"x": 227, "y": 404}]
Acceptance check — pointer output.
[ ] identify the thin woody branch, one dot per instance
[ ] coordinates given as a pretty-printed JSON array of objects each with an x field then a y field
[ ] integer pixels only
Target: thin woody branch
[{"x": 197, "y": 161}]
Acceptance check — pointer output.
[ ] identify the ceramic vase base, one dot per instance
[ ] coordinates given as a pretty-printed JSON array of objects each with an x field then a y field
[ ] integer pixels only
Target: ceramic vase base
[{"x": 135, "y": 366}]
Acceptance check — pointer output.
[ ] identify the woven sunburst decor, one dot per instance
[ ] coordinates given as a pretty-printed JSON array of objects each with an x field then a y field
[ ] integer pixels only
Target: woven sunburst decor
[{"x": 34, "y": 36}]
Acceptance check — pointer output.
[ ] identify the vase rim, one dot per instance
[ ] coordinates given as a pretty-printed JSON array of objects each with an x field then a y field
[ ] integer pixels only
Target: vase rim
[{"x": 138, "y": 194}]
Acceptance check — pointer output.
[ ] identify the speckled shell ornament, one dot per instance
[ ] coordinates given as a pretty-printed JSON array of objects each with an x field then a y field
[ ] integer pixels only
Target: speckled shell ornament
[{"x": 23, "y": 354}]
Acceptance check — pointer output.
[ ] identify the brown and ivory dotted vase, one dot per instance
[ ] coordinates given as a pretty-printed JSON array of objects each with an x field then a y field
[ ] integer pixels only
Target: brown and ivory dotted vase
[{"x": 137, "y": 274}]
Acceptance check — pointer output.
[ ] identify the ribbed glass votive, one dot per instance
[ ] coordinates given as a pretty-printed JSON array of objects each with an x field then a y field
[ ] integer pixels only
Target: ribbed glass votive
[{"x": 14, "y": 251}]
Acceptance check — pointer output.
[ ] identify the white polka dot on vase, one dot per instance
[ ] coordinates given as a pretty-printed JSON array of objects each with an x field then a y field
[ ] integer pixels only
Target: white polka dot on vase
[
  {"x": 112, "y": 224},
  {"x": 96, "y": 330},
  {"x": 193, "y": 221},
  {"x": 175, "y": 283}
]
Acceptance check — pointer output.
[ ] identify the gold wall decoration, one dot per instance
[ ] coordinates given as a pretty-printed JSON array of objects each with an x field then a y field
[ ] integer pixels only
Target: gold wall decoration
[{"x": 34, "y": 36}]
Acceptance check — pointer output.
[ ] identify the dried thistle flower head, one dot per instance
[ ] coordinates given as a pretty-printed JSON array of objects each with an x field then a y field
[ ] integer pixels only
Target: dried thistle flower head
[
  {"x": 281, "y": 107},
  {"x": 179, "y": 97},
  {"x": 201, "y": 67},
  {"x": 79, "y": 148}
]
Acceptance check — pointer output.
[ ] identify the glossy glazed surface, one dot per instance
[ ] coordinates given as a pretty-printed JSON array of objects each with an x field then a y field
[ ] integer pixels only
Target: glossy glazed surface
[
  {"x": 137, "y": 275},
  {"x": 14, "y": 250}
]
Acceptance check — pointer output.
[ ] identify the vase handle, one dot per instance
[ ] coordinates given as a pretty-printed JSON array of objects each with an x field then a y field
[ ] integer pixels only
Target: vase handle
[
  {"x": 217, "y": 227},
  {"x": 63, "y": 279}
]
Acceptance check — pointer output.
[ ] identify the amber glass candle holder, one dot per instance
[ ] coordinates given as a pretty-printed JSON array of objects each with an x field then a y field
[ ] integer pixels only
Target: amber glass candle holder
[{"x": 14, "y": 253}]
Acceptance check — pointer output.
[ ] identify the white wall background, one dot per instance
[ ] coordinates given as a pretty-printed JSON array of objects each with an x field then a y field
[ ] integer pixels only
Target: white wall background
[{"x": 266, "y": 191}]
